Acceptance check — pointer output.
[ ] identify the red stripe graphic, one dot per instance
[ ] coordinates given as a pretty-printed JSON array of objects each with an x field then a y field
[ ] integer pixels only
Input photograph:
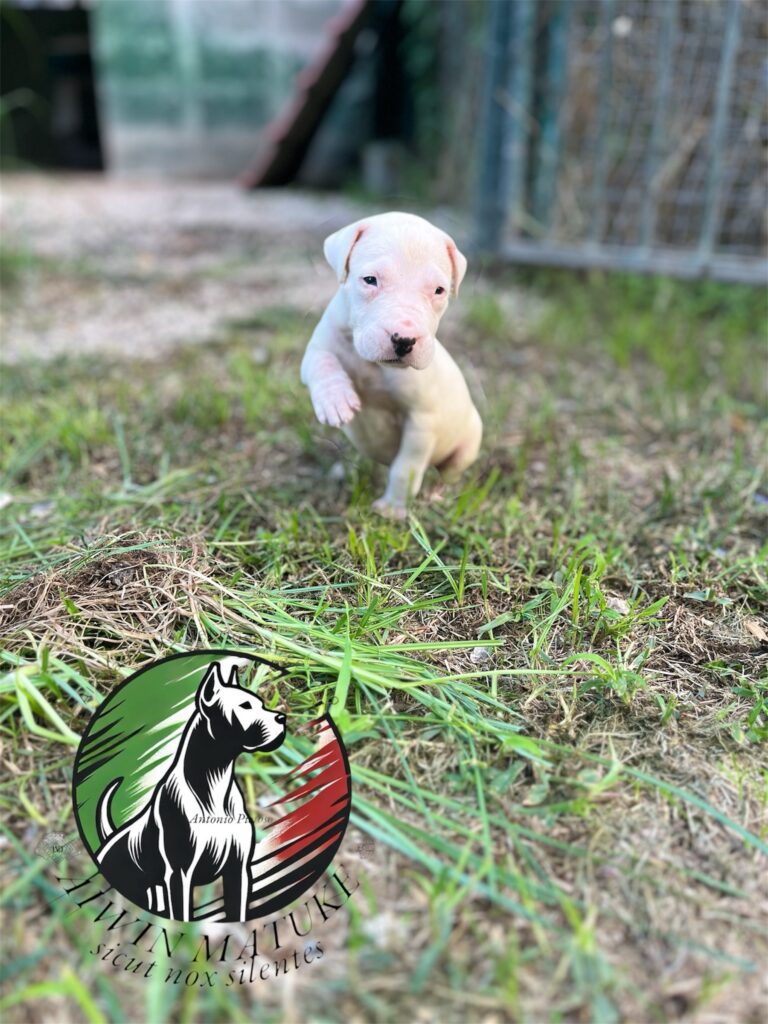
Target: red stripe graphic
[{"x": 313, "y": 824}]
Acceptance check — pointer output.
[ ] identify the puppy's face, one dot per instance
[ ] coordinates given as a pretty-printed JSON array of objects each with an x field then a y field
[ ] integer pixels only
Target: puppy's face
[
  {"x": 398, "y": 271},
  {"x": 237, "y": 716}
]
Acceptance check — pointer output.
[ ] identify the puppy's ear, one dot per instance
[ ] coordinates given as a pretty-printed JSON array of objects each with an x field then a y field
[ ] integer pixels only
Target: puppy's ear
[
  {"x": 458, "y": 265},
  {"x": 233, "y": 678},
  {"x": 338, "y": 248}
]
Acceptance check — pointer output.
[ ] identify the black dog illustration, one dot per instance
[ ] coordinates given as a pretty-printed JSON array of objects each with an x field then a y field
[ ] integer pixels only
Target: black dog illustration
[{"x": 194, "y": 828}]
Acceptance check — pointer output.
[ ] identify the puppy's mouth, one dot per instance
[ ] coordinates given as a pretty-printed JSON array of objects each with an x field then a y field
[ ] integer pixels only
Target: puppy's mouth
[{"x": 393, "y": 362}]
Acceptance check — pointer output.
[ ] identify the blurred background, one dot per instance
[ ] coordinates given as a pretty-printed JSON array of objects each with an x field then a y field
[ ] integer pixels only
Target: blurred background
[{"x": 621, "y": 133}]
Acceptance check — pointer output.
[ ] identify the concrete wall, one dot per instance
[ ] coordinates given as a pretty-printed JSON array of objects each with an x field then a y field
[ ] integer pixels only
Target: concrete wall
[{"x": 186, "y": 86}]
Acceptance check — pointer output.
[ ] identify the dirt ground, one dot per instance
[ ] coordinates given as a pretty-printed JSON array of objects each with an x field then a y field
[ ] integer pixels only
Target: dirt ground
[{"x": 142, "y": 267}]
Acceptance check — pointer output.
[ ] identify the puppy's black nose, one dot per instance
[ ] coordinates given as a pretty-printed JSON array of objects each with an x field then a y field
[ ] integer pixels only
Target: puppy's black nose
[
  {"x": 402, "y": 346},
  {"x": 280, "y": 718}
]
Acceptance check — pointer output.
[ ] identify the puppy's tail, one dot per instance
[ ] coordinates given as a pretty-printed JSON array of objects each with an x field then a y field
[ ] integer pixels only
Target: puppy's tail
[{"x": 104, "y": 824}]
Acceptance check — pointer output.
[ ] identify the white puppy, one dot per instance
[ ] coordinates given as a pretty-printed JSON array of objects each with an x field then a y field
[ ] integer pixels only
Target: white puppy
[{"x": 374, "y": 366}]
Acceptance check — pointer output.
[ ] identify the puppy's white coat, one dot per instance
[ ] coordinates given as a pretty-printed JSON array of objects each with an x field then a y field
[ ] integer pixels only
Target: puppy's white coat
[{"x": 373, "y": 364}]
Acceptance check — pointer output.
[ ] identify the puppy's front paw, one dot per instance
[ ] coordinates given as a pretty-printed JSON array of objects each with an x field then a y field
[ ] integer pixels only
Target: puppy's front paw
[
  {"x": 336, "y": 406},
  {"x": 384, "y": 508}
]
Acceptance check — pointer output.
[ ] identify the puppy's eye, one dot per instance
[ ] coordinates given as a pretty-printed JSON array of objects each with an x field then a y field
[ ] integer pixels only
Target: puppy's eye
[
  {"x": 440, "y": 290},
  {"x": 370, "y": 280},
  {"x": 246, "y": 704}
]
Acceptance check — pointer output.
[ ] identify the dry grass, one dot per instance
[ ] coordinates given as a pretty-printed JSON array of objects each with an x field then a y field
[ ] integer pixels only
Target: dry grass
[{"x": 569, "y": 824}]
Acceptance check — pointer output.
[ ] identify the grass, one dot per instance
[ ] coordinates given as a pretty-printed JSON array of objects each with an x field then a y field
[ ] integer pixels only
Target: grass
[{"x": 552, "y": 684}]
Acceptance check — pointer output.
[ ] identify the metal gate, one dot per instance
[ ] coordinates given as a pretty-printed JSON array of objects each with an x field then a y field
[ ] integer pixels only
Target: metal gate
[{"x": 626, "y": 134}]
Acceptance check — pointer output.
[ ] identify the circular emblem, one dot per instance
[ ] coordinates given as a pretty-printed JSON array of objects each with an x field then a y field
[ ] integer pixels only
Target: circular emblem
[{"x": 208, "y": 787}]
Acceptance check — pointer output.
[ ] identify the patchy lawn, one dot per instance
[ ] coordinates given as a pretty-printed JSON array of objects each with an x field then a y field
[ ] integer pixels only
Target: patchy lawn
[{"x": 556, "y": 715}]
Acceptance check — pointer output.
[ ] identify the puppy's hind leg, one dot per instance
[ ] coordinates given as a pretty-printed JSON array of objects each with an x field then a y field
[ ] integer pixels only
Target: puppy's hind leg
[
  {"x": 407, "y": 471},
  {"x": 464, "y": 454}
]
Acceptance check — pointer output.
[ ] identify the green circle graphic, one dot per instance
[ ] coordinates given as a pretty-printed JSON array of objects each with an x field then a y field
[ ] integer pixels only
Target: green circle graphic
[{"x": 186, "y": 759}]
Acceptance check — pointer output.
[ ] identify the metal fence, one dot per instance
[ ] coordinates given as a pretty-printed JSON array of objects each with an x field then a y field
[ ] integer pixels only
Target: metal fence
[{"x": 628, "y": 134}]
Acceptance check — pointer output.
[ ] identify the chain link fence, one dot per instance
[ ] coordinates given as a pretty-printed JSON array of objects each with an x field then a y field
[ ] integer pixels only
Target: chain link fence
[{"x": 629, "y": 134}]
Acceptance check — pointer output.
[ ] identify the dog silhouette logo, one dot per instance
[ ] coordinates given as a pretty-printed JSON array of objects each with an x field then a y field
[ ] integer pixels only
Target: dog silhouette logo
[{"x": 200, "y": 798}]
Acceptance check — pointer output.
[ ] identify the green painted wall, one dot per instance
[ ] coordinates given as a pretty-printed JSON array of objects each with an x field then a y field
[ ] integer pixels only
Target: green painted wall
[{"x": 185, "y": 86}]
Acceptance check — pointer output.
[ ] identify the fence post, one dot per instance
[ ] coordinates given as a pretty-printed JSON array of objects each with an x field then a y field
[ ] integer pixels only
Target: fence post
[
  {"x": 517, "y": 123},
  {"x": 489, "y": 204},
  {"x": 658, "y": 128},
  {"x": 605, "y": 76},
  {"x": 545, "y": 180},
  {"x": 713, "y": 193},
  {"x": 506, "y": 115}
]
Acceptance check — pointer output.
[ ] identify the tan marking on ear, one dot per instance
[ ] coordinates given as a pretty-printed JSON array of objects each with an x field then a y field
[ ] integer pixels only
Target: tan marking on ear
[
  {"x": 357, "y": 238},
  {"x": 458, "y": 266},
  {"x": 338, "y": 247}
]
